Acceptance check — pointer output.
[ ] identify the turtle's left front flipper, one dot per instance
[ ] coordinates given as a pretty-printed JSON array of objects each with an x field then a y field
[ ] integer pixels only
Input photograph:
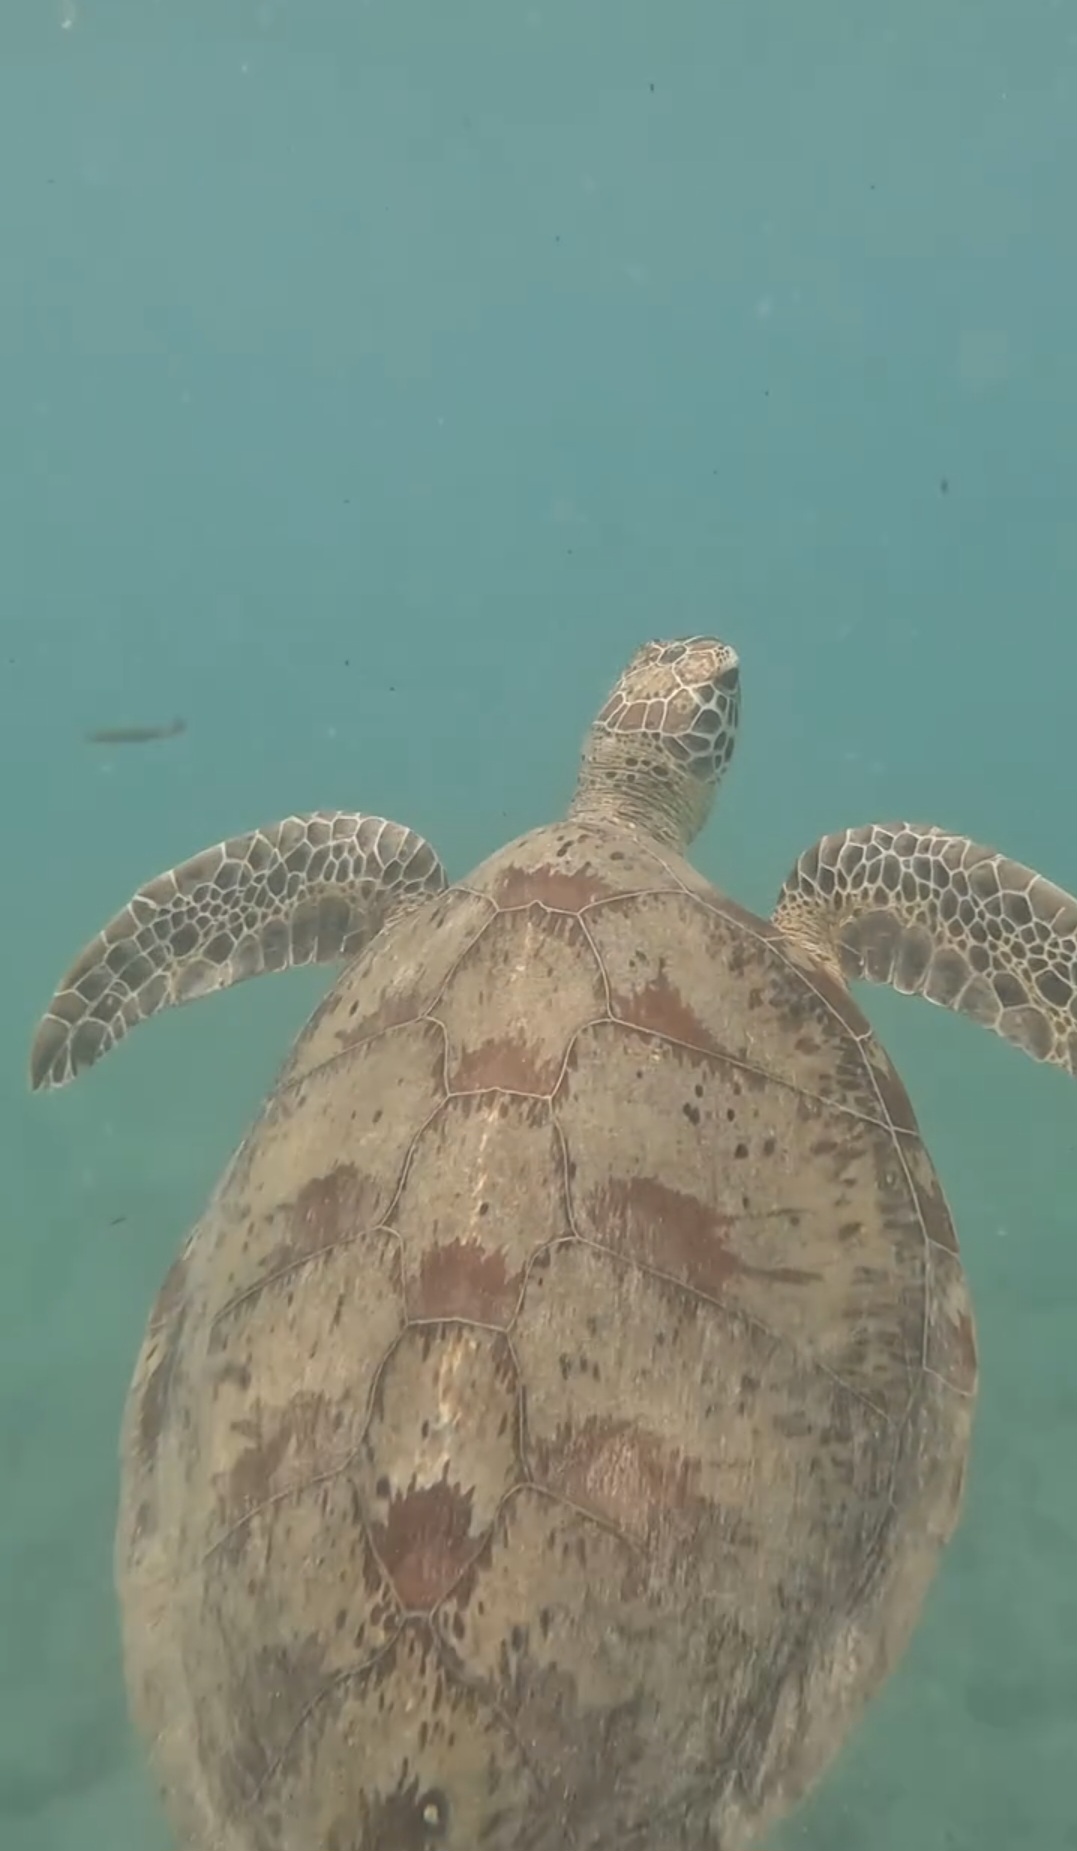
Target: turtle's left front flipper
[
  {"x": 311, "y": 889},
  {"x": 935, "y": 915}
]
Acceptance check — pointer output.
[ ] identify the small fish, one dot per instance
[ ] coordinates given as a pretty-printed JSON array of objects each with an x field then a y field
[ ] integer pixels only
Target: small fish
[{"x": 134, "y": 735}]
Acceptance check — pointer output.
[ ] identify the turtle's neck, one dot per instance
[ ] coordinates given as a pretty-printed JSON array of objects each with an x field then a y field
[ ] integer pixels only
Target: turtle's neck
[{"x": 625, "y": 784}]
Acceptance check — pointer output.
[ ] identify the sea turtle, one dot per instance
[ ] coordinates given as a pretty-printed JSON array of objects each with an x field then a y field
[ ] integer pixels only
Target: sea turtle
[{"x": 548, "y": 1434}]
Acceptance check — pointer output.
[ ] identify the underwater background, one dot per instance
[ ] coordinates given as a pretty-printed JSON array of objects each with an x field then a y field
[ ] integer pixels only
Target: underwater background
[{"x": 374, "y": 376}]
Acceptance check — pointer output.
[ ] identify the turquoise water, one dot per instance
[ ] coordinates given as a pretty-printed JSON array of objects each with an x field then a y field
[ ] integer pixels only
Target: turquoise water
[{"x": 374, "y": 377}]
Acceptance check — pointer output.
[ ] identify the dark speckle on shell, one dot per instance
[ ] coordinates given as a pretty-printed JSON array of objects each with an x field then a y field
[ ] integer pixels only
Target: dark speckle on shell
[{"x": 550, "y": 1431}]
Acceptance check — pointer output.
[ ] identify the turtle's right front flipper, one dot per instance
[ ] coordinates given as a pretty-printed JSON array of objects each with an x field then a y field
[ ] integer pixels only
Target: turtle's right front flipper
[
  {"x": 308, "y": 890},
  {"x": 936, "y": 915}
]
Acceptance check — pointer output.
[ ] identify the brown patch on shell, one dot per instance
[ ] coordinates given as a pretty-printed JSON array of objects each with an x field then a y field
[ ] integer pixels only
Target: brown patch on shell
[
  {"x": 559, "y": 890},
  {"x": 737, "y": 994},
  {"x": 441, "y": 1450},
  {"x": 269, "y": 1427},
  {"x": 778, "y": 1175},
  {"x": 492, "y": 1044},
  {"x": 676, "y": 1234},
  {"x": 425, "y": 1542},
  {"x": 513, "y": 1066},
  {"x": 344, "y": 1131},
  {"x": 618, "y": 1471},
  {"x": 395, "y": 1010},
  {"x": 254, "y": 1477},
  {"x": 328, "y": 1209},
  {"x": 463, "y": 1279},
  {"x": 659, "y": 1007},
  {"x": 569, "y": 868},
  {"x": 484, "y": 1187}
]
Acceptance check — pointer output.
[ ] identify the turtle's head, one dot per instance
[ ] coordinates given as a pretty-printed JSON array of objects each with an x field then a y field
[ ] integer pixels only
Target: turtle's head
[{"x": 655, "y": 753}]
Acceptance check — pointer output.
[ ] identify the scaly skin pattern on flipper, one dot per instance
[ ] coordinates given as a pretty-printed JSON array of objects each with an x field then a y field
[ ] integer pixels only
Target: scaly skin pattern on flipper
[
  {"x": 933, "y": 914},
  {"x": 308, "y": 890}
]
